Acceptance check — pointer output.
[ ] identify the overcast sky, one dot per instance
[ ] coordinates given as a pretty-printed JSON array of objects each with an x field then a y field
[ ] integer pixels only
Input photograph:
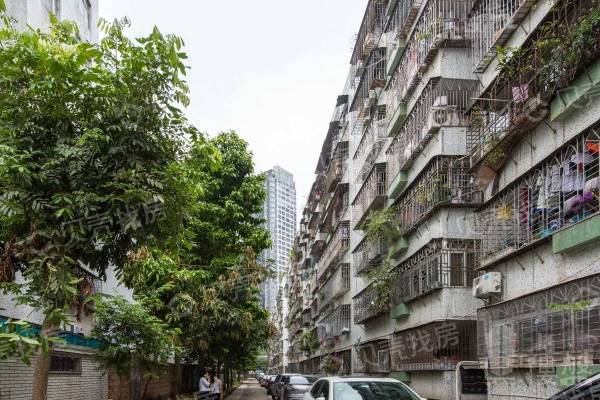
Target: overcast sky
[{"x": 270, "y": 69}]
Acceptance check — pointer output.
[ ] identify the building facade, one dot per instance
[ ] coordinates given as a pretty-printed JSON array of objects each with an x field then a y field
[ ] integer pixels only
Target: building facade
[
  {"x": 279, "y": 213},
  {"x": 450, "y": 238}
]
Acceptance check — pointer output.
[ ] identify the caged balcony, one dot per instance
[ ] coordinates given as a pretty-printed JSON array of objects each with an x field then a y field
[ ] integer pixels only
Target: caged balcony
[
  {"x": 560, "y": 192},
  {"x": 369, "y": 253},
  {"x": 437, "y": 346},
  {"x": 370, "y": 31},
  {"x": 443, "y": 23},
  {"x": 442, "y": 263},
  {"x": 371, "y": 196},
  {"x": 337, "y": 166},
  {"x": 445, "y": 182},
  {"x": 401, "y": 18},
  {"x": 442, "y": 103},
  {"x": 492, "y": 24},
  {"x": 335, "y": 286},
  {"x": 552, "y": 328},
  {"x": 366, "y": 306},
  {"x": 518, "y": 99},
  {"x": 373, "y": 357},
  {"x": 335, "y": 250},
  {"x": 370, "y": 84},
  {"x": 371, "y": 142},
  {"x": 334, "y": 325}
]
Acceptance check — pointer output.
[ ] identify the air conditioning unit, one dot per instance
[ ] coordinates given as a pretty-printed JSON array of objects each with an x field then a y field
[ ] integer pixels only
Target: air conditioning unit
[{"x": 487, "y": 285}]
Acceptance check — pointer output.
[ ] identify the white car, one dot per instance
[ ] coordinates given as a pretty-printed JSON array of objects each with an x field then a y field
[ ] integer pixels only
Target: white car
[{"x": 356, "y": 388}]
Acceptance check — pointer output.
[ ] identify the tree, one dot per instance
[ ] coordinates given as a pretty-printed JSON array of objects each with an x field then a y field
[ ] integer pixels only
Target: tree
[
  {"x": 131, "y": 336},
  {"x": 88, "y": 136},
  {"x": 208, "y": 287}
]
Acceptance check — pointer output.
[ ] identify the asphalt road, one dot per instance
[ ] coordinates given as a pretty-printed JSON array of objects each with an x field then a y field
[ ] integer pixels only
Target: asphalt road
[{"x": 249, "y": 390}]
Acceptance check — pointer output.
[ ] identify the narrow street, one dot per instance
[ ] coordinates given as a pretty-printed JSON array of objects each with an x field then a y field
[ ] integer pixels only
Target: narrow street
[{"x": 249, "y": 390}]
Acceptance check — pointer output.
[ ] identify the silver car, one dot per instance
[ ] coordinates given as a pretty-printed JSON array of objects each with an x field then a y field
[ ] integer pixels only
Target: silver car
[{"x": 293, "y": 387}]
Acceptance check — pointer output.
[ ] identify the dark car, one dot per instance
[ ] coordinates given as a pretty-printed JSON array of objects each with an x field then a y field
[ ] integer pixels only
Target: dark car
[
  {"x": 588, "y": 389},
  {"x": 271, "y": 383},
  {"x": 293, "y": 387}
]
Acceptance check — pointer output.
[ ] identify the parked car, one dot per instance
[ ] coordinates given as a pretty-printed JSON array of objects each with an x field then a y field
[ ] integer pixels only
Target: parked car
[
  {"x": 271, "y": 383},
  {"x": 293, "y": 386},
  {"x": 367, "y": 388},
  {"x": 588, "y": 389},
  {"x": 264, "y": 380}
]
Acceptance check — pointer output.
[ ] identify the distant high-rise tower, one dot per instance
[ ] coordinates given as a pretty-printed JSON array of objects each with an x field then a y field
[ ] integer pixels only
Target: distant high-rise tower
[{"x": 280, "y": 216}]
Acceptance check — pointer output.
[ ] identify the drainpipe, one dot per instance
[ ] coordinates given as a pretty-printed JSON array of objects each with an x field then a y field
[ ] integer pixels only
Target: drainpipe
[{"x": 458, "y": 366}]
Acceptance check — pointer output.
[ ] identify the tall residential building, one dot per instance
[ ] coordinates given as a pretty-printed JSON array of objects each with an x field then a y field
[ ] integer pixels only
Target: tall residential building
[
  {"x": 450, "y": 238},
  {"x": 279, "y": 213}
]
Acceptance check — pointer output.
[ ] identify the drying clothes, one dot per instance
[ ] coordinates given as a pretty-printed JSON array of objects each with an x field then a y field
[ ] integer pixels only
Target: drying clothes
[
  {"x": 592, "y": 184},
  {"x": 572, "y": 179},
  {"x": 542, "y": 192},
  {"x": 582, "y": 159},
  {"x": 593, "y": 147},
  {"x": 555, "y": 181}
]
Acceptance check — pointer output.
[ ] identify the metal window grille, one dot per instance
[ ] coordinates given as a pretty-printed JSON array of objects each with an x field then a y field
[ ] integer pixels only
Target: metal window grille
[
  {"x": 446, "y": 181},
  {"x": 336, "y": 248},
  {"x": 335, "y": 286},
  {"x": 442, "y": 263},
  {"x": 442, "y": 103},
  {"x": 369, "y": 253},
  {"x": 561, "y": 191},
  {"x": 370, "y": 30},
  {"x": 371, "y": 195},
  {"x": 370, "y": 144},
  {"x": 365, "y": 307},
  {"x": 551, "y": 328},
  {"x": 373, "y": 357},
  {"x": 335, "y": 322}
]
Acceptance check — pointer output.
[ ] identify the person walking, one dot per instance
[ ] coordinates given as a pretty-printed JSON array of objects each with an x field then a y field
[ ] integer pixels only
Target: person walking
[
  {"x": 216, "y": 387},
  {"x": 204, "y": 385}
]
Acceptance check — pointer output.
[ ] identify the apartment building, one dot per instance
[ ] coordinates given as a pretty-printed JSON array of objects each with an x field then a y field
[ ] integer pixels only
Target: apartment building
[
  {"x": 277, "y": 346},
  {"x": 448, "y": 238},
  {"x": 279, "y": 213}
]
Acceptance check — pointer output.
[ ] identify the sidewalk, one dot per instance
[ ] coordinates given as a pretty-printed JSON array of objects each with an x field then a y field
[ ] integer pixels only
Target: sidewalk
[{"x": 249, "y": 390}]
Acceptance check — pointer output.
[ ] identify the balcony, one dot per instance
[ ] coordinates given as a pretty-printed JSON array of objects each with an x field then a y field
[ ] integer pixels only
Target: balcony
[
  {"x": 371, "y": 196},
  {"x": 370, "y": 84},
  {"x": 335, "y": 286},
  {"x": 337, "y": 207},
  {"x": 492, "y": 24},
  {"x": 443, "y": 263},
  {"x": 370, "y": 144},
  {"x": 518, "y": 99},
  {"x": 443, "y": 23},
  {"x": 373, "y": 357},
  {"x": 336, "y": 169},
  {"x": 445, "y": 182},
  {"x": 334, "y": 325},
  {"x": 449, "y": 342},
  {"x": 369, "y": 254},
  {"x": 442, "y": 104},
  {"x": 366, "y": 307},
  {"x": 336, "y": 248},
  {"x": 560, "y": 192},
  {"x": 552, "y": 328},
  {"x": 370, "y": 31},
  {"x": 402, "y": 16}
]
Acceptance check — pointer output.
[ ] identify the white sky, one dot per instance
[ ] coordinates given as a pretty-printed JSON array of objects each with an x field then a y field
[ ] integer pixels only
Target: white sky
[{"x": 270, "y": 69}]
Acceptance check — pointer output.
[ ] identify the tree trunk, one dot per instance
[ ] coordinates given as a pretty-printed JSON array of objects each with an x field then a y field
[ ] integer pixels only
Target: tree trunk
[
  {"x": 41, "y": 368},
  {"x": 176, "y": 378}
]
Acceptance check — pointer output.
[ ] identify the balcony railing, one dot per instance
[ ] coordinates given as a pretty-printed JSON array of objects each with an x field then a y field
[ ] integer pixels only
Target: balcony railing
[
  {"x": 442, "y": 263},
  {"x": 448, "y": 343},
  {"x": 366, "y": 306},
  {"x": 446, "y": 181},
  {"x": 336, "y": 169},
  {"x": 336, "y": 248},
  {"x": 371, "y": 195},
  {"x": 371, "y": 82},
  {"x": 518, "y": 99},
  {"x": 561, "y": 191},
  {"x": 492, "y": 23},
  {"x": 373, "y": 357},
  {"x": 402, "y": 17},
  {"x": 334, "y": 325},
  {"x": 335, "y": 286},
  {"x": 442, "y": 103},
  {"x": 443, "y": 23},
  {"x": 369, "y": 253},
  {"x": 371, "y": 29},
  {"x": 370, "y": 145},
  {"x": 557, "y": 327}
]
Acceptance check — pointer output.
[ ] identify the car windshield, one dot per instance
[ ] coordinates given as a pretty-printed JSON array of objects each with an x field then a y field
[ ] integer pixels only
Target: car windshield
[
  {"x": 372, "y": 391},
  {"x": 302, "y": 380}
]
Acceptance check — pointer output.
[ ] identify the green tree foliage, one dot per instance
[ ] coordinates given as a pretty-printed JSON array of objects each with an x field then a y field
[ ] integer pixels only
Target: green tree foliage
[
  {"x": 131, "y": 337},
  {"x": 88, "y": 137}
]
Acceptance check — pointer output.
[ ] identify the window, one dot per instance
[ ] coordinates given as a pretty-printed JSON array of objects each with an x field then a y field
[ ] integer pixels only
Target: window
[
  {"x": 372, "y": 390},
  {"x": 324, "y": 392},
  {"x": 302, "y": 380},
  {"x": 316, "y": 389},
  {"x": 65, "y": 364}
]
